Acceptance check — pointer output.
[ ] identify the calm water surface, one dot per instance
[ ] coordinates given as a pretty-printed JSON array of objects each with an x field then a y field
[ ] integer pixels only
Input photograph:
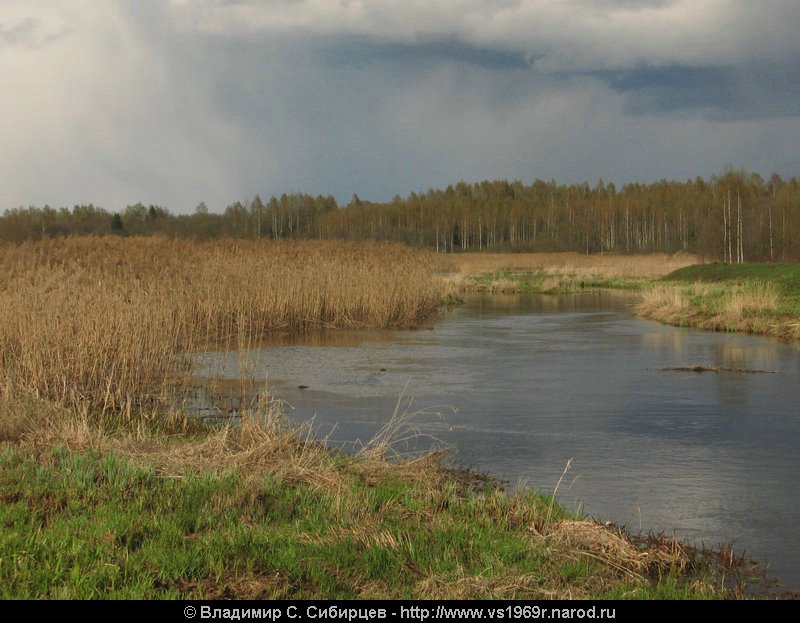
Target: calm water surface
[{"x": 537, "y": 379}]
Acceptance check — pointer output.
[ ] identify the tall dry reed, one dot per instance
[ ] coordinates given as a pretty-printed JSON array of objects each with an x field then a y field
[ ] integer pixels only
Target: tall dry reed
[{"x": 107, "y": 322}]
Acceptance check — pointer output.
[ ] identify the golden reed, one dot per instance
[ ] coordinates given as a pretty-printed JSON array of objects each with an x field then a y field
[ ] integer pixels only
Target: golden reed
[{"x": 106, "y": 323}]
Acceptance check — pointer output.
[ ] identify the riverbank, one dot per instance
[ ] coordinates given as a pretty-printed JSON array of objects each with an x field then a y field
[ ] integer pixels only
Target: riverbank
[
  {"x": 762, "y": 299},
  {"x": 558, "y": 273},
  {"x": 166, "y": 508}
]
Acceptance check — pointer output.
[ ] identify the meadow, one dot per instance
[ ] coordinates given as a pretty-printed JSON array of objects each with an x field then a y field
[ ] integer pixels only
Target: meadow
[{"x": 109, "y": 490}]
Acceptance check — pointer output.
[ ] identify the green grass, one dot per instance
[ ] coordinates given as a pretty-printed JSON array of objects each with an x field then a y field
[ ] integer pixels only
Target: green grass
[
  {"x": 784, "y": 276},
  {"x": 88, "y": 525}
]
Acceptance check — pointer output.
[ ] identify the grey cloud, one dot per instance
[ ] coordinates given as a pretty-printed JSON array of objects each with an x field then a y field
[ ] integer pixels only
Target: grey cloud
[
  {"x": 721, "y": 93},
  {"x": 717, "y": 92},
  {"x": 359, "y": 51},
  {"x": 715, "y": 59},
  {"x": 19, "y": 33},
  {"x": 178, "y": 101},
  {"x": 569, "y": 35},
  {"x": 29, "y": 32}
]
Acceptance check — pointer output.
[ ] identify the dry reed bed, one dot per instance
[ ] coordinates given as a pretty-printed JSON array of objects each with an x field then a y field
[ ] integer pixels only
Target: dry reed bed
[{"x": 104, "y": 321}]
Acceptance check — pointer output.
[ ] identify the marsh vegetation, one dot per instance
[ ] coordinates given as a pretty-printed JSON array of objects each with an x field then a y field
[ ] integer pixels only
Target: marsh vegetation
[
  {"x": 110, "y": 490},
  {"x": 105, "y": 323}
]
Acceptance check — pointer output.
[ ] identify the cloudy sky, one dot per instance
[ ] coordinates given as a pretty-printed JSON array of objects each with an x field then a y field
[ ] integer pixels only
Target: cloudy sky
[{"x": 180, "y": 101}]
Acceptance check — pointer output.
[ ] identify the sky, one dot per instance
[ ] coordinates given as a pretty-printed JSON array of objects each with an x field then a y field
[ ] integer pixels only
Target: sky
[{"x": 175, "y": 102}]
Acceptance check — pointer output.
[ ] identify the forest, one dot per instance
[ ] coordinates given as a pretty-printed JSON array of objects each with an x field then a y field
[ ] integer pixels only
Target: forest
[{"x": 736, "y": 216}]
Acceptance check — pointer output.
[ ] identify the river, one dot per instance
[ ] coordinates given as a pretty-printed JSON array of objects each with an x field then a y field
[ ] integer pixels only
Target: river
[{"x": 519, "y": 384}]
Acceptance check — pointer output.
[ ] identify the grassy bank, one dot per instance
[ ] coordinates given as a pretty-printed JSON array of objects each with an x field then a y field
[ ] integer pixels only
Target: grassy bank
[
  {"x": 754, "y": 298},
  {"x": 558, "y": 272},
  {"x": 174, "y": 510}
]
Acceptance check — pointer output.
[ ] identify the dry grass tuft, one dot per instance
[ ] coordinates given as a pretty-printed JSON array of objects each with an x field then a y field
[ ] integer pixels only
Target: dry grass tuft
[
  {"x": 666, "y": 303},
  {"x": 468, "y": 586},
  {"x": 260, "y": 443},
  {"x": 20, "y": 417},
  {"x": 265, "y": 587},
  {"x": 615, "y": 549},
  {"x": 753, "y": 299}
]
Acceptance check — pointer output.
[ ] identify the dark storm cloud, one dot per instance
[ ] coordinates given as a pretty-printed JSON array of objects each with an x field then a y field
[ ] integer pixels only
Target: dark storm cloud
[
  {"x": 676, "y": 88},
  {"x": 719, "y": 93},
  {"x": 359, "y": 51},
  {"x": 721, "y": 60}
]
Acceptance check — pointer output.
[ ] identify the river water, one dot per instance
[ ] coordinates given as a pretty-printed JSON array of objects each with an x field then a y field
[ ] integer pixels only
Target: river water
[{"x": 520, "y": 384}]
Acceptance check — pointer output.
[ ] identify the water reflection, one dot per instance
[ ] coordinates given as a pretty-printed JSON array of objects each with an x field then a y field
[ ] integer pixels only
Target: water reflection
[{"x": 539, "y": 379}]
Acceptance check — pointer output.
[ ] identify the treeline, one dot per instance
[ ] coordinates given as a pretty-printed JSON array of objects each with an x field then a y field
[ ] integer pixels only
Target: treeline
[
  {"x": 736, "y": 216},
  {"x": 290, "y": 216}
]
